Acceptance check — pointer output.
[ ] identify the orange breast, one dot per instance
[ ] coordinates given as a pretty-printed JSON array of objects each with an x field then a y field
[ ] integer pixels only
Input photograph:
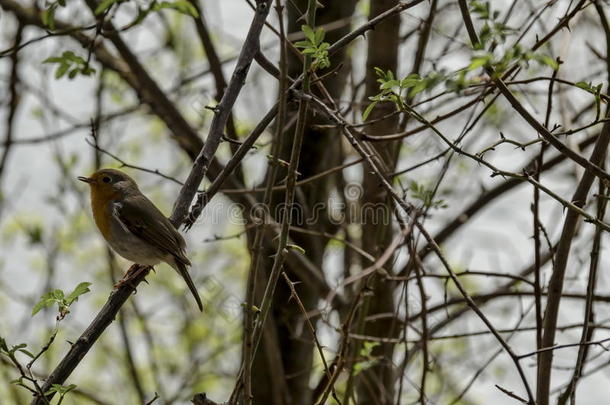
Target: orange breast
[{"x": 101, "y": 213}]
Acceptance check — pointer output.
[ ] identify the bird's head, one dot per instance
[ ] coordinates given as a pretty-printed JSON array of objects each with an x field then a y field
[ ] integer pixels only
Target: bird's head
[{"x": 110, "y": 183}]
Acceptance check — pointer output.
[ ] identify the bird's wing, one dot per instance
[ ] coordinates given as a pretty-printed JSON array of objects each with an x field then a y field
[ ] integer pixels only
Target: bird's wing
[{"x": 140, "y": 216}]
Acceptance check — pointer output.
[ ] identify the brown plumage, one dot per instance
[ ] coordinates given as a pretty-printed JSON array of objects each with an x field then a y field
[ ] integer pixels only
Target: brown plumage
[{"x": 134, "y": 227}]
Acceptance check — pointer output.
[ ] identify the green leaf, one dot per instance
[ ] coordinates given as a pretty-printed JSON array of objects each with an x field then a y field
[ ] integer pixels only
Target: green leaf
[
  {"x": 87, "y": 71},
  {"x": 71, "y": 64},
  {"x": 389, "y": 84},
  {"x": 61, "y": 70},
  {"x": 410, "y": 80},
  {"x": 80, "y": 289},
  {"x": 368, "y": 110},
  {"x": 53, "y": 59},
  {"x": 71, "y": 56},
  {"x": 48, "y": 18},
  {"x": 366, "y": 353},
  {"x": 27, "y": 352},
  {"x": 302, "y": 44},
  {"x": 61, "y": 389},
  {"x": 19, "y": 346},
  {"x": 309, "y": 34},
  {"x": 418, "y": 88},
  {"x": 367, "y": 348},
  {"x": 549, "y": 61},
  {"x": 103, "y": 6},
  {"x": 477, "y": 62},
  {"x": 319, "y": 37},
  {"x": 480, "y": 8},
  {"x": 42, "y": 304}
]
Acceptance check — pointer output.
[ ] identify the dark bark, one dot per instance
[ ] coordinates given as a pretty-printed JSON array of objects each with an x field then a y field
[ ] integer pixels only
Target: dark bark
[
  {"x": 320, "y": 151},
  {"x": 376, "y": 384}
]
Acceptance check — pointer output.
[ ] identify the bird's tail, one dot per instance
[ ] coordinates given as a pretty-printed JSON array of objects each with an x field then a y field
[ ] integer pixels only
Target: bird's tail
[{"x": 183, "y": 270}]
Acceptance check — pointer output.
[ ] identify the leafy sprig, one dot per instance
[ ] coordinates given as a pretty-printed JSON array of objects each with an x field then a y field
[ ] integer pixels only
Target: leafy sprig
[
  {"x": 395, "y": 90},
  {"x": 62, "y": 300},
  {"x": 48, "y": 14},
  {"x": 368, "y": 360},
  {"x": 62, "y": 390},
  {"x": 71, "y": 64},
  {"x": 315, "y": 47}
]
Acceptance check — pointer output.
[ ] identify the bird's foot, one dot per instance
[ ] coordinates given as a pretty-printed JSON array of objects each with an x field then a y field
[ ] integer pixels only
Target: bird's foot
[{"x": 132, "y": 274}]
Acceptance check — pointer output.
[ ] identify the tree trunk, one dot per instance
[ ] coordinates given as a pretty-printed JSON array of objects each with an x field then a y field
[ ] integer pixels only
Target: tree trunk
[
  {"x": 320, "y": 151},
  {"x": 376, "y": 384}
]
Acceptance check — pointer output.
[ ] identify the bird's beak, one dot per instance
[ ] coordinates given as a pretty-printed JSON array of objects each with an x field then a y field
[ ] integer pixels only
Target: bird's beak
[{"x": 85, "y": 179}]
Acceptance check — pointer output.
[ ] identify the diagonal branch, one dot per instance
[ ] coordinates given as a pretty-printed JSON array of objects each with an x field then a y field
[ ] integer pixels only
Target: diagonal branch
[{"x": 222, "y": 113}]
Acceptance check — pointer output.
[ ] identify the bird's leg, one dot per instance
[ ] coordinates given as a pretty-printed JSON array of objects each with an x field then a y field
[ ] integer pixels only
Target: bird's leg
[{"x": 134, "y": 272}]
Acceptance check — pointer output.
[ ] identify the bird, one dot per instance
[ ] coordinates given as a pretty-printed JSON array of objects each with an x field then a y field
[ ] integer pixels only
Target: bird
[{"x": 134, "y": 227}]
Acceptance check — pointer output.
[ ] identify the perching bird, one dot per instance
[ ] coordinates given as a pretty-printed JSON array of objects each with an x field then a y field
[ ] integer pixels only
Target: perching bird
[{"x": 134, "y": 227}]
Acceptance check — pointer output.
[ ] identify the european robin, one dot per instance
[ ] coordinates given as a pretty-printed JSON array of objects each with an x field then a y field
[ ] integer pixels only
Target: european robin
[{"x": 134, "y": 227}]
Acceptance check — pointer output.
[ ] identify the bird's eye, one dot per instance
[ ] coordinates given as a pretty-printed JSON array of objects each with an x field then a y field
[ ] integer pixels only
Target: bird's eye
[{"x": 106, "y": 179}]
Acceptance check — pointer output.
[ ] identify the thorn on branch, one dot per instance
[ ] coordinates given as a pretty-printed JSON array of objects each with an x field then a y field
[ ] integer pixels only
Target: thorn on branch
[
  {"x": 511, "y": 394},
  {"x": 214, "y": 109},
  {"x": 233, "y": 141}
]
